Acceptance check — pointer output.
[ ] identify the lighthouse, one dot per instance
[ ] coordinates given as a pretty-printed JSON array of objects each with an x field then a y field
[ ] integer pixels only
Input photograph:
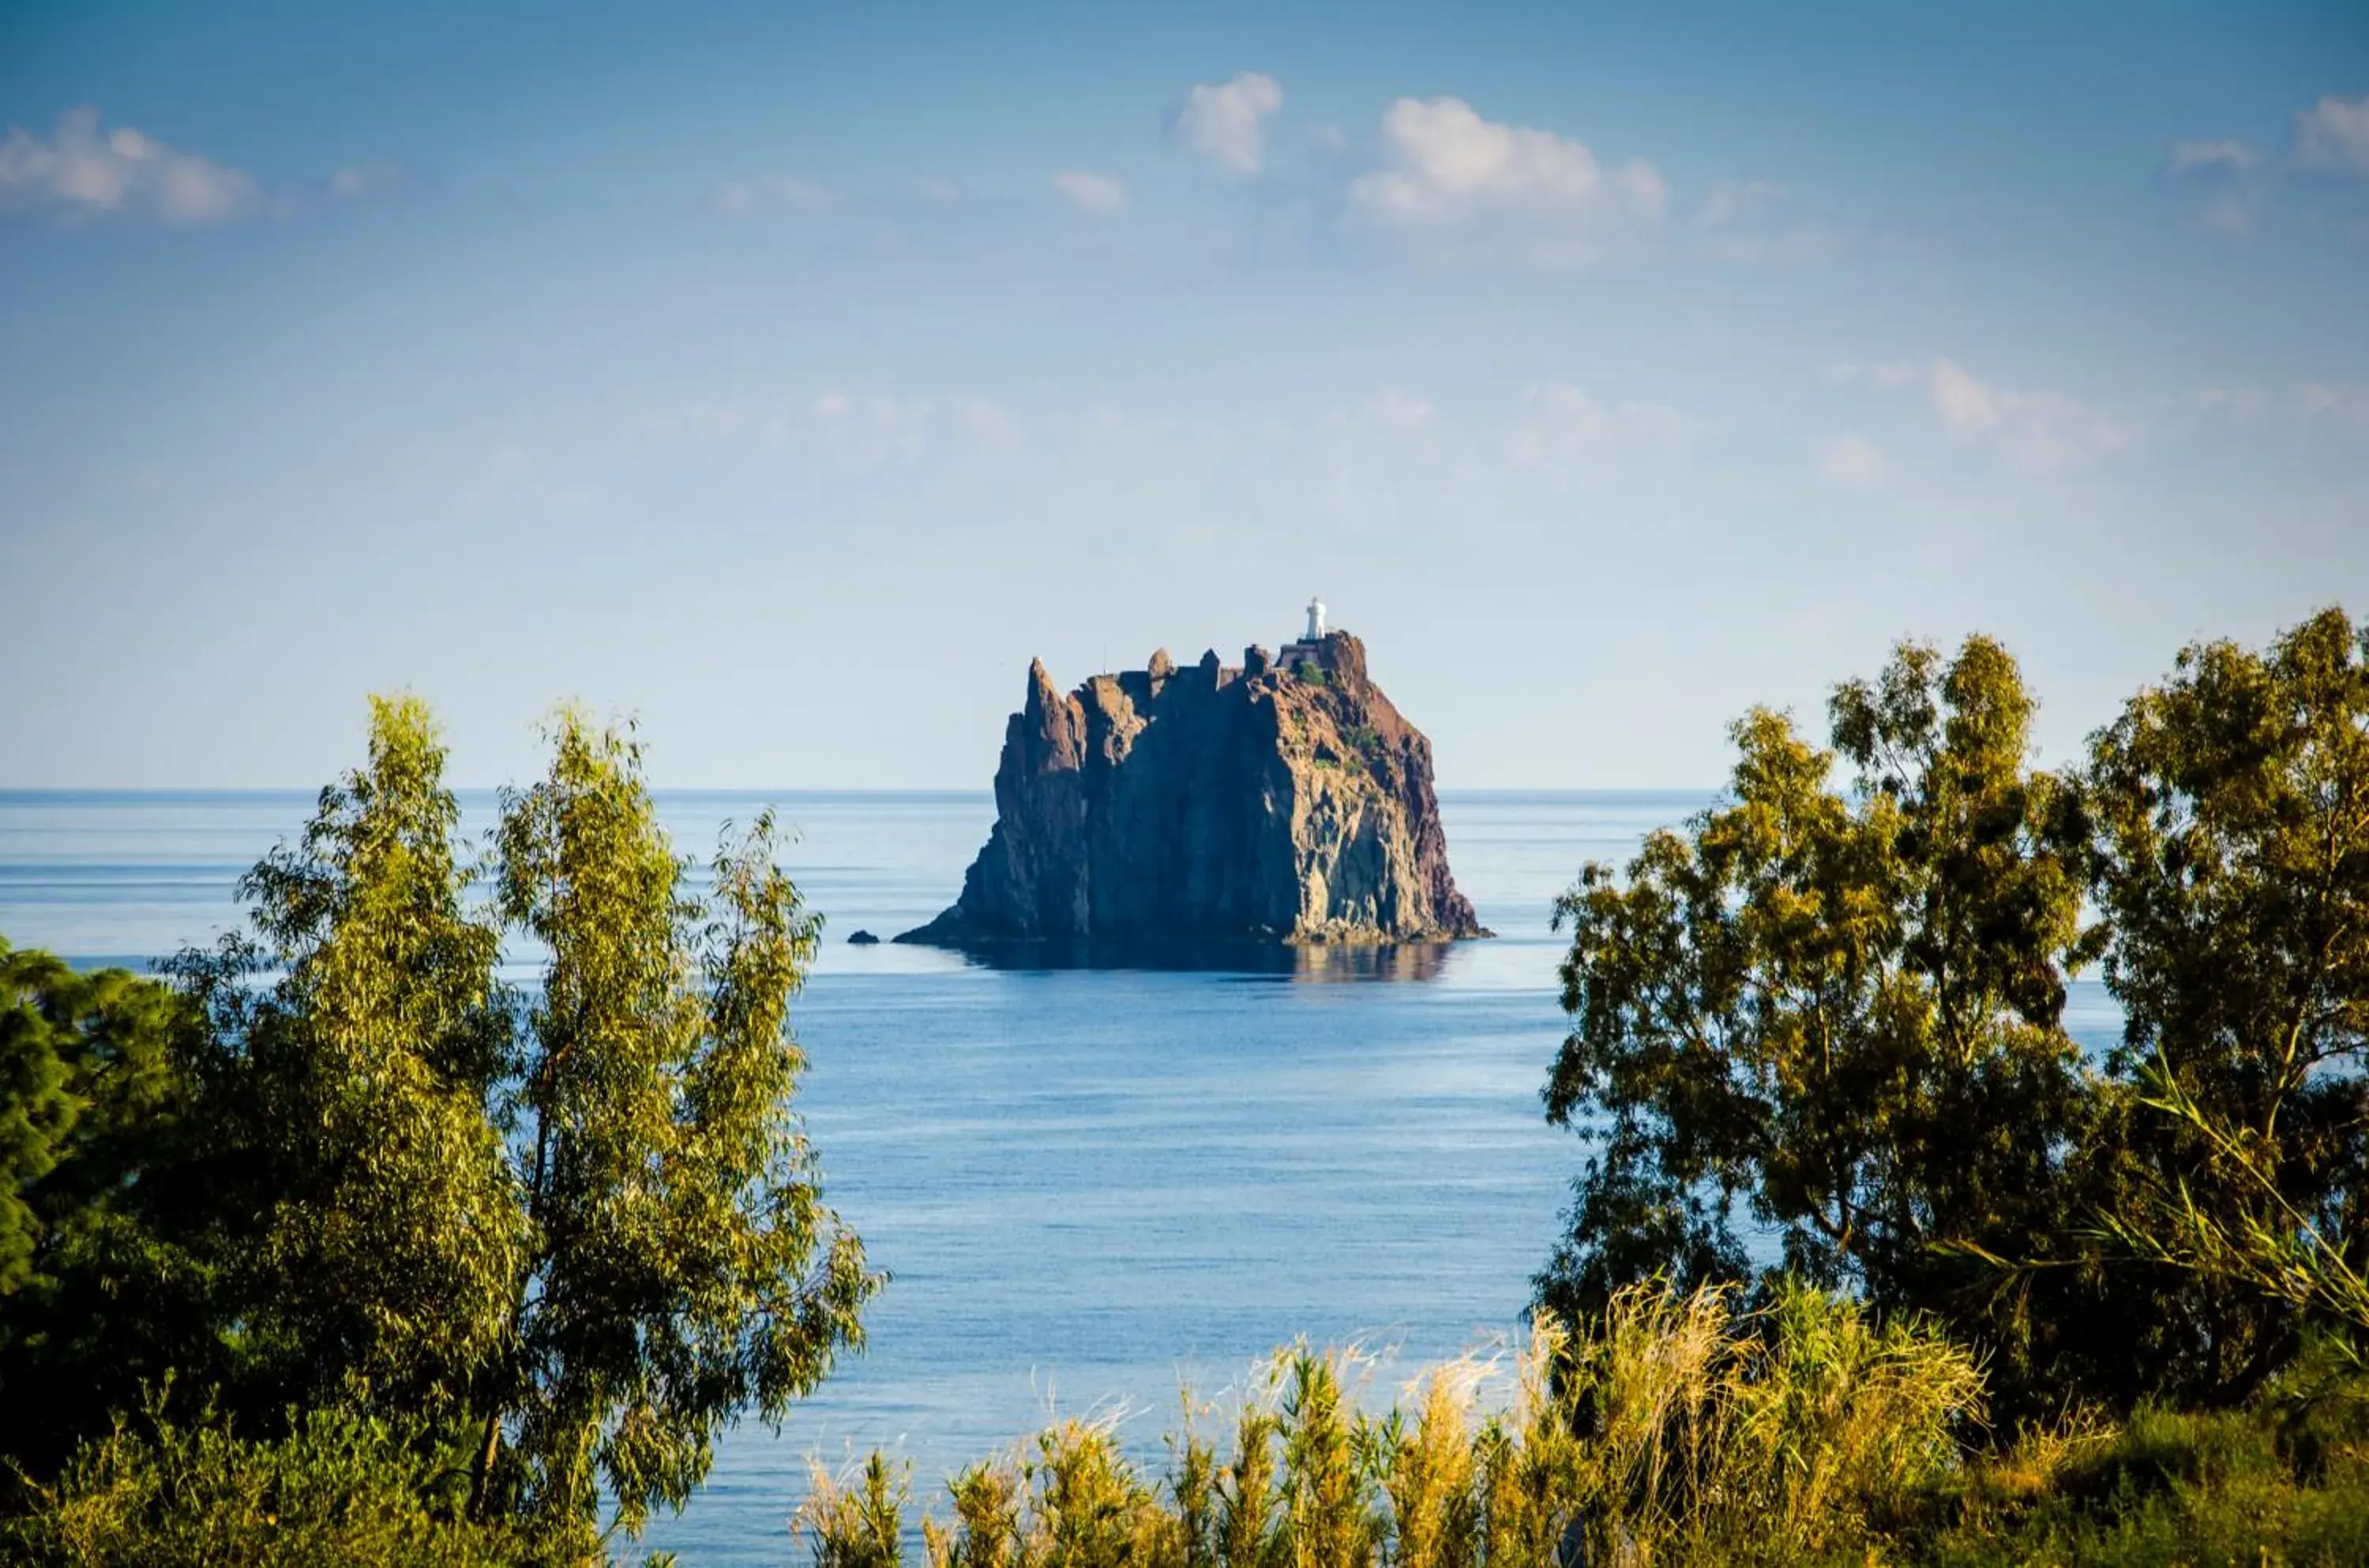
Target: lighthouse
[{"x": 1315, "y": 619}]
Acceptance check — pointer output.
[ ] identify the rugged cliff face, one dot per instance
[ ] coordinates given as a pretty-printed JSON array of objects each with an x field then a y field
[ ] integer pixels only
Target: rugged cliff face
[{"x": 1211, "y": 803}]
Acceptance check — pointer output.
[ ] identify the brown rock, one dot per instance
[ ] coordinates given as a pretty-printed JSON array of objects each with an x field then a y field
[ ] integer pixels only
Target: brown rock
[{"x": 1278, "y": 806}]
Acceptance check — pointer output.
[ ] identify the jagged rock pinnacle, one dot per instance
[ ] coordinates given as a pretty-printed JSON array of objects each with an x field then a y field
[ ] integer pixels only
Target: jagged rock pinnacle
[{"x": 1260, "y": 804}]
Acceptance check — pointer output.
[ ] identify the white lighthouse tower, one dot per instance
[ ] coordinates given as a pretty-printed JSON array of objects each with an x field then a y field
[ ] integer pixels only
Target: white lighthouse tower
[{"x": 1315, "y": 619}]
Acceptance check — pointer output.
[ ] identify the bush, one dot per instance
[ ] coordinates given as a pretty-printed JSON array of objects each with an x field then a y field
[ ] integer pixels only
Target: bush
[
  {"x": 340, "y": 1488},
  {"x": 2223, "y": 1486}
]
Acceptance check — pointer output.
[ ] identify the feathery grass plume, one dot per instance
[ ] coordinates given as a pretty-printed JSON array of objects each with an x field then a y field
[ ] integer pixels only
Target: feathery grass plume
[
  {"x": 1528, "y": 1457},
  {"x": 1430, "y": 1474},
  {"x": 1670, "y": 1428},
  {"x": 861, "y": 1528},
  {"x": 1327, "y": 1468},
  {"x": 1645, "y": 1385},
  {"x": 1193, "y": 1488},
  {"x": 1831, "y": 1411},
  {"x": 986, "y": 1518},
  {"x": 1090, "y": 1507},
  {"x": 1996, "y": 1486},
  {"x": 1247, "y": 1536}
]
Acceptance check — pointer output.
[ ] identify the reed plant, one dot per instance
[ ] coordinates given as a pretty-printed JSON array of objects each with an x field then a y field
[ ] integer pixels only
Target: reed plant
[{"x": 1672, "y": 1428}]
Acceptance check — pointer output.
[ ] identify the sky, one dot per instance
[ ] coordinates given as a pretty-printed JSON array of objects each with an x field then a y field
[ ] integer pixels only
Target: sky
[{"x": 786, "y": 377}]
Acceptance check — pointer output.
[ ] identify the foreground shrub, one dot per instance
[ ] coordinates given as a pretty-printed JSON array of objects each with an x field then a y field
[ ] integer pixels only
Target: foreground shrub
[
  {"x": 1670, "y": 1428},
  {"x": 2223, "y": 1486},
  {"x": 339, "y": 1489}
]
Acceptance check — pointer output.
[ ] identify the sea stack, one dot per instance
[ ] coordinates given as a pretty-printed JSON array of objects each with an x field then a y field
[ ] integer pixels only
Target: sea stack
[{"x": 1283, "y": 801}]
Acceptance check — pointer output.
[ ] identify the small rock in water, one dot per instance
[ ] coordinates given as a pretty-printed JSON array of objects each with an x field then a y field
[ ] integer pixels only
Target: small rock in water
[{"x": 862, "y": 939}]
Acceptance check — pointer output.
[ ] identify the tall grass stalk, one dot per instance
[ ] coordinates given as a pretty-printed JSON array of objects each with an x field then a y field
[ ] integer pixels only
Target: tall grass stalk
[{"x": 1673, "y": 1428}]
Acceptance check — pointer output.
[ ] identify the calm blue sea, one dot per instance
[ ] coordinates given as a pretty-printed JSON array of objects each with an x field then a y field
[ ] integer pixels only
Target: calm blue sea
[{"x": 1090, "y": 1185}]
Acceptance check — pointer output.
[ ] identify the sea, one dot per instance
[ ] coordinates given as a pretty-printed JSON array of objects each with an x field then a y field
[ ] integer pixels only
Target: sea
[{"x": 1107, "y": 1192}]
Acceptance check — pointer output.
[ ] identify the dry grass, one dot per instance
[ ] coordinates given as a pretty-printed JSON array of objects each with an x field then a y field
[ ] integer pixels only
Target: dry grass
[{"x": 1674, "y": 1429}]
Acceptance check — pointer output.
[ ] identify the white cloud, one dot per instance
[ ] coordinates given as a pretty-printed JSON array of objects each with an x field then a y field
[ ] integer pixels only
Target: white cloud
[
  {"x": 2243, "y": 405},
  {"x": 874, "y": 430},
  {"x": 1400, "y": 410},
  {"x": 365, "y": 179},
  {"x": 1851, "y": 459},
  {"x": 1091, "y": 192},
  {"x": 1220, "y": 120},
  {"x": 2343, "y": 403},
  {"x": 938, "y": 190},
  {"x": 1753, "y": 222},
  {"x": 2227, "y": 215},
  {"x": 1729, "y": 203},
  {"x": 772, "y": 194},
  {"x": 1559, "y": 419},
  {"x": 1482, "y": 188},
  {"x": 79, "y": 171},
  {"x": 1892, "y": 372},
  {"x": 2038, "y": 431},
  {"x": 858, "y": 430},
  {"x": 2334, "y": 134},
  {"x": 2225, "y": 171},
  {"x": 1966, "y": 405},
  {"x": 2190, "y": 157}
]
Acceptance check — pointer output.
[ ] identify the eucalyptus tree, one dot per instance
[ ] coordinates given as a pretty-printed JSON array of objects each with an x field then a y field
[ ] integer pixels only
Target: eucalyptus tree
[
  {"x": 364, "y": 1210},
  {"x": 2230, "y": 814},
  {"x": 1835, "y": 1013},
  {"x": 680, "y": 1264}
]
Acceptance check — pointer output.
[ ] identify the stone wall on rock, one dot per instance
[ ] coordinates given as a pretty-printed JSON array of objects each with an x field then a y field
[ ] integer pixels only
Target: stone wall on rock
[{"x": 1205, "y": 802}]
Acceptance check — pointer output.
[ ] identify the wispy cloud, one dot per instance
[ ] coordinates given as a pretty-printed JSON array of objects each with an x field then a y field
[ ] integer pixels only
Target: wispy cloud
[
  {"x": 2189, "y": 157},
  {"x": 2038, "y": 431},
  {"x": 778, "y": 194},
  {"x": 369, "y": 178},
  {"x": 1754, "y": 221},
  {"x": 2343, "y": 404},
  {"x": 1892, "y": 372},
  {"x": 1851, "y": 459},
  {"x": 81, "y": 172},
  {"x": 2334, "y": 134},
  {"x": 2239, "y": 404},
  {"x": 2226, "y": 172},
  {"x": 1464, "y": 186},
  {"x": 1222, "y": 121},
  {"x": 854, "y": 430},
  {"x": 1559, "y": 420},
  {"x": 1100, "y": 194},
  {"x": 1400, "y": 410},
  {"x": 2032, "y": 430}
]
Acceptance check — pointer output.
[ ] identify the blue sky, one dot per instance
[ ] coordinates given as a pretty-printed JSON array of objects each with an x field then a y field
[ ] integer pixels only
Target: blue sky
[{"x": 789, "y": 377}]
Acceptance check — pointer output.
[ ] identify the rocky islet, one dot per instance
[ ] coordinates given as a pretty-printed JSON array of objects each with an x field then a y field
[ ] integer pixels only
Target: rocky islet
[{"x": 1284, "y": 801}]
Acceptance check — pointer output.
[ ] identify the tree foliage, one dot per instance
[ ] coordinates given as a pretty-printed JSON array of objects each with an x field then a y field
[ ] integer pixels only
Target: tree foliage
[
  {"x": 1828, "y": 1021},
  {"x": 2230, "y": 814},
  {"x": 356, "y": 1038},
  {"x": 95, "y": 1293},
  {"x": 554, "y": 1241},
  {"x": 1833, "y": 1015},
  {"x": 80, "y": 1056},
  {"x": 682, "y": 1265}
]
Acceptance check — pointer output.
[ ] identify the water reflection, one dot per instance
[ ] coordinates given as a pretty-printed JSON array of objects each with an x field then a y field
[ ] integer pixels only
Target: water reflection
[{"x": 1321, "y": 964}]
